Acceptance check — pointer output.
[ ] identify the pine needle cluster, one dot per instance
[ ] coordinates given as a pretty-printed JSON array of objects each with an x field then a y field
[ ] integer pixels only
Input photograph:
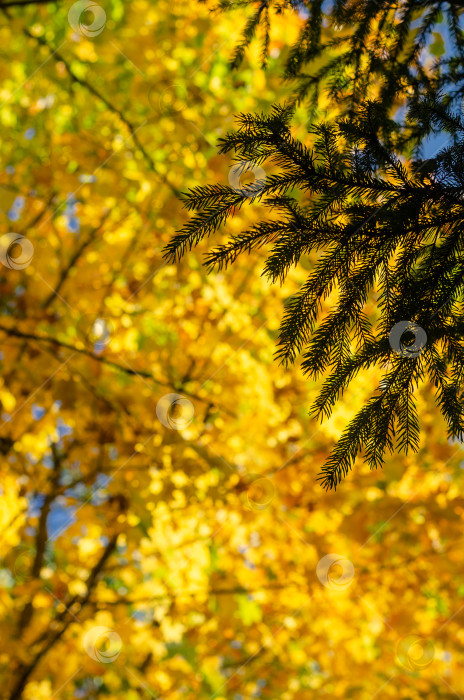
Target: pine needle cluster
[{"x": 386, "y": 222}]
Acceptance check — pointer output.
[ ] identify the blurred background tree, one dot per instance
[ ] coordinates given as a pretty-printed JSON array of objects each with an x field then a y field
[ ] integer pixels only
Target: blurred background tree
[{"x": 154, "y": 546}]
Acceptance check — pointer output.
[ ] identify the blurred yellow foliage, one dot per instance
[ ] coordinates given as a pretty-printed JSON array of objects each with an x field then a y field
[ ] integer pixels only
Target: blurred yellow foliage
[{"x": 176, "y": 547}]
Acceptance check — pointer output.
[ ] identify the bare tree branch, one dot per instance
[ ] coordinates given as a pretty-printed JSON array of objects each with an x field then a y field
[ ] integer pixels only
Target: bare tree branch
[
  {"x": 25, "y": 671},
  {"x": 103, "y": 360},
  {"x": 41, "y": 535},
  {"x": 73, "y": 260},
  {"x": 57, "y": 56},
  {"x": 19, "y": 3}
]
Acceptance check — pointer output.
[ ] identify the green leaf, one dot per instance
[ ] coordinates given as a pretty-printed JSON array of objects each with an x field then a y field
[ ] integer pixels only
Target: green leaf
[
  {"x": 248, "y": 610},
  {"x": 438, "y": 46}
]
